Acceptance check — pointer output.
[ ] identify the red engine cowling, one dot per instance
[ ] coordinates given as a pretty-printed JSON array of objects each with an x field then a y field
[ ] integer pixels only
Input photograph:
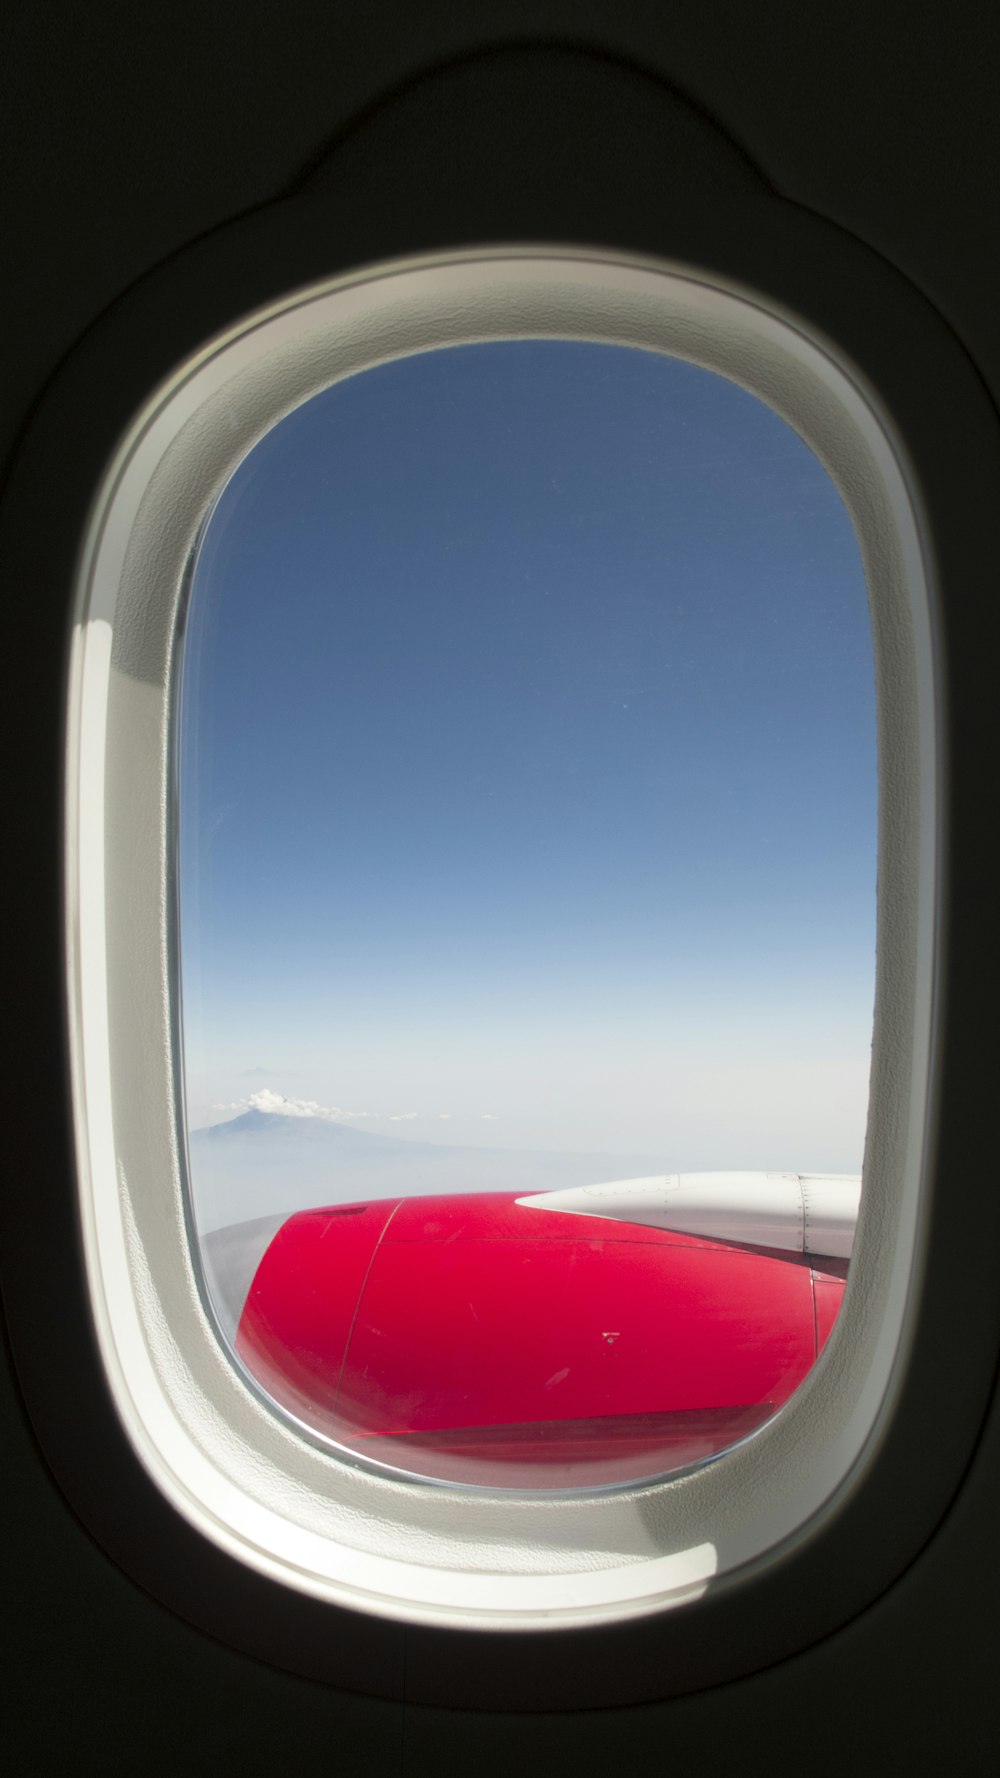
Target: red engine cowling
[{"x": 475, "y": 1339}]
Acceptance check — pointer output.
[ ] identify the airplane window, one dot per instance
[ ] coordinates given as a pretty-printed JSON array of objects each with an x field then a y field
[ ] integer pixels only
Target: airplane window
[{"x": 526, "y": 815}]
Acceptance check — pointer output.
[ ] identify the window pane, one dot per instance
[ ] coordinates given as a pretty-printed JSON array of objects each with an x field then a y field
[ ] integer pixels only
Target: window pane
[{"x": 527, "y": 805}]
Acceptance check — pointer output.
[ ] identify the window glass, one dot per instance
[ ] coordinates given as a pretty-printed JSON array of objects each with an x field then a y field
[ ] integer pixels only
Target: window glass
[{"x": 526, "y": 802}]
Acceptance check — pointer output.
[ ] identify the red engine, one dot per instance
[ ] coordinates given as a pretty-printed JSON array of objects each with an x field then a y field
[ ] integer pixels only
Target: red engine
[{"x": 476, "y": 1339}]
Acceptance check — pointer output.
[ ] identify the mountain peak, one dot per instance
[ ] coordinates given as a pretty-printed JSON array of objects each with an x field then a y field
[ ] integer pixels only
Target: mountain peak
[{"x": 257, "y": 1123}]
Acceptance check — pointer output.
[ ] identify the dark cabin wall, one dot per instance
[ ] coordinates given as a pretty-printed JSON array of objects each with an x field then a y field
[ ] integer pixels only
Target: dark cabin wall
[
  {"x": 131, "y": 131},
  {"x": 128, "y": 133}
]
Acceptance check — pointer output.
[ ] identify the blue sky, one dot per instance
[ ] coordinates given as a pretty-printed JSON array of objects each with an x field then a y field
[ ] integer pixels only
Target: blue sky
[{"x": 528, "y": 783}]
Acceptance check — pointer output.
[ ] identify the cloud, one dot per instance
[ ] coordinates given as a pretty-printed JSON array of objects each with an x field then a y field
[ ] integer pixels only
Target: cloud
[{"x": 277, "y": 1104}]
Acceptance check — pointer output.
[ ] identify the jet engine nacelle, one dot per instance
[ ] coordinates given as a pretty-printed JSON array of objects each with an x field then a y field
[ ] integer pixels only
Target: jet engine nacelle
[{"x": 549, "y": 1341}]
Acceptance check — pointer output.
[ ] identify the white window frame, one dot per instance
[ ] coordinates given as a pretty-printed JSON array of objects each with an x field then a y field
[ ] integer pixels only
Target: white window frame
[{"x": 336, "y": 1529}]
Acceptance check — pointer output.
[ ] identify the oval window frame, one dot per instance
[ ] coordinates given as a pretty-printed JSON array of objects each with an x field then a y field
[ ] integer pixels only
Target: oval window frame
[{"x": 427, "y": 1555}]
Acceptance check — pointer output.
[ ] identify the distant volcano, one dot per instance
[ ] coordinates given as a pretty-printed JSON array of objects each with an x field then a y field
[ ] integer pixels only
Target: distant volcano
[
  {"x": 279, "y": 1124},
  {"x": 263, "y": 1163}
]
